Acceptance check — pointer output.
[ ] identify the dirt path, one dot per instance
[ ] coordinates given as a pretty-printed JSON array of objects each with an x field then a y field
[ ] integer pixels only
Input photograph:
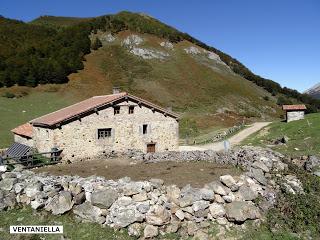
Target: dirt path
[{"x": 234, "y": 140}]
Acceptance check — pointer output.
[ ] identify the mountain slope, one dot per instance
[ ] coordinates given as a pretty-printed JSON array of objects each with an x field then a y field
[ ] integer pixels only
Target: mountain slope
[
  {"x": 207, "y": 87},
  {"x": 314, "y": 91}
]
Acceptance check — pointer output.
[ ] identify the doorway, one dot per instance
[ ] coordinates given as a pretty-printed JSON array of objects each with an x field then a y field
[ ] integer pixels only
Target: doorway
[{"x": 151, "y": 147}]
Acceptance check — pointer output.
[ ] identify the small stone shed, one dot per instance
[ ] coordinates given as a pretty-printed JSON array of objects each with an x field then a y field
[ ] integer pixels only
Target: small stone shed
[
  {"x": 294, "y": 112},
  {"x": 103, "y": 124}
]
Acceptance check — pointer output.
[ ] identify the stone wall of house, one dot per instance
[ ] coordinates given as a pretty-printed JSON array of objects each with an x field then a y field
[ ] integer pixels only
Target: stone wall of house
[
  {"x": 23, "y": 140},
  {"x": 79, "y": 139},
  {"x": 295, "y": 115}
]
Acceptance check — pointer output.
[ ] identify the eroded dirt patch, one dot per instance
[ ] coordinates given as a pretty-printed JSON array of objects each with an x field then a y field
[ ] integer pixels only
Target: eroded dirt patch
[{"x": 180, "y": 173}]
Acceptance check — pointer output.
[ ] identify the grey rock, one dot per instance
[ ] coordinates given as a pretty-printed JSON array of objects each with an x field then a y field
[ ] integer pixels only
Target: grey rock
[
  {"x": 140, "y": 197},
  {"x": 158, "y": 215},
  {"x": 8, "y": 175},
  {"x": 179, "y": 214},
  {"x": 124, "y": 201},
  {"x": 89, "y": 212},
  {"x": 38, "y": 203},
  {"x": 217, "y": 210},
  {"x": 7, "y": 183},
  {"x": 104, "y": 198},
  {"x": 155, "y": 182},
  {"x": 246, "y": 193},
  {"x": 206, "y": 194},
  {"x": 143, "y": 207},
  {"x": 229, "y": 181},
  {"x": 150, "y": 231},
  {"x": 135, "y": 229},
  {"x": 258, "y": 175},
  {"x": 60, "y": 203},
  {"x": 241, "y": 211},
  {"x": 312, "y": 163},
  {"x": 33, "y": 189},
  {"x": 218, "y": 188},
  {"x": 123, "y": 217},
  {"x": 79, "y": 198},
  {"x": 200, "y": 205},
  {"x": 260, "y": 165}
]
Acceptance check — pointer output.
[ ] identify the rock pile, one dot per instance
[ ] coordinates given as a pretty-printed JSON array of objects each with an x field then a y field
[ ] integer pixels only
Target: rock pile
[{"x": 150, "y": 208}]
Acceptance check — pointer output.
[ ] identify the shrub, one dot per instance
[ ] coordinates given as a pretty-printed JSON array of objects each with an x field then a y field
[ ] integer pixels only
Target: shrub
[
  {"x": 9, "y": 95},
  {"x": 266, "y": 98}
]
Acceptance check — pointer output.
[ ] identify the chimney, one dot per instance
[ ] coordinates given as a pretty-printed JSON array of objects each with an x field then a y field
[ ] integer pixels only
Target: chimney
[{"x": 115, "y": 90}]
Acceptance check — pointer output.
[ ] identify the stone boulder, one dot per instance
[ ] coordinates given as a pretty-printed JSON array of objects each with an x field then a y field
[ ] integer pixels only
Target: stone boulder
[
  {"x": 218, "y": 188},
  {"x": 241, "y": 211},
  {"x": 60, "y": 203},
  {"x": 123, "y": 217},
  {"x": 7, "y": 183},
  {"x": 158, "y": 215},
  {"x": 33, "y": 189},
  {"x": 89, "y": 212},
  {"x": 104, "y": 198},
  {"x": 246, "y": 193},
  {"x": 217, "y": 210},
  {"x": 150, "y": 231},
  {"x": 312, "y": 163},
  {"x": 229, "y": 181},
  {"x": 258, "y": 175}
]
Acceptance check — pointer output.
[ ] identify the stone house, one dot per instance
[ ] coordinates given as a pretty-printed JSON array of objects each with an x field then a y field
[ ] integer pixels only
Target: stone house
[
  {"x": 294, "y": 112},
  {"x": 103, "y": 124}
]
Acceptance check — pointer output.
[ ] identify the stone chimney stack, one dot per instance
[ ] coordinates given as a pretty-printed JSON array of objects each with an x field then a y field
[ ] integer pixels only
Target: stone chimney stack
[{"x": 115, "y": 90}]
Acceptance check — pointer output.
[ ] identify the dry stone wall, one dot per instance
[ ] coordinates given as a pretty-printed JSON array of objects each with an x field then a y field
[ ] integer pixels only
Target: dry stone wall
[{"x": 150, "y": 208}]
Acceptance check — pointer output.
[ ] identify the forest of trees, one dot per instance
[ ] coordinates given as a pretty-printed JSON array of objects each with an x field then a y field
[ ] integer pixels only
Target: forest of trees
[{"x": 40, "y": 53}]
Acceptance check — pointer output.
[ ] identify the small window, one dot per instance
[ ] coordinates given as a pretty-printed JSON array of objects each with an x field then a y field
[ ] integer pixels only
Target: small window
[
  {"x": 131, "y": 109},
  {"x": 104, "y": 133},
  {"x": 116, "y": 110},
  {"x": 145, "y": 128}
]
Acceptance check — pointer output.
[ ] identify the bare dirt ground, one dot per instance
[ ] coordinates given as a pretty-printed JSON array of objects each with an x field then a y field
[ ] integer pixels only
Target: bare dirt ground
[
  {"x": 234, "y": 140},
  {"x": 180, "y": 173}
]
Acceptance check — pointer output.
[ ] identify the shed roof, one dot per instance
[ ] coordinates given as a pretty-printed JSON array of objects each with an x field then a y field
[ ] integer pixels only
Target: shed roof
[
  {"x": 89, "y": 105},
  {"x": 294, "y": 107},
  {"x": 17, "y": 150},
  {"x": 23, "y": 130}
]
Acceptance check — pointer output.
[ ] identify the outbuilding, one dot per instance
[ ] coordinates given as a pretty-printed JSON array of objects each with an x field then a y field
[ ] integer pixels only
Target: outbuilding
[
  {"x": 102, "y": 124},
  {"x": 294, "y": 112}
]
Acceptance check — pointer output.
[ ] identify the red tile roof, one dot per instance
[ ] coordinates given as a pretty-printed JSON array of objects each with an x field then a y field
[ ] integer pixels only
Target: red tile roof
[
  {"x": 87, "y": 106},
  {"x": 23, "y": 130},
  {"x": 294, "y": 107}
]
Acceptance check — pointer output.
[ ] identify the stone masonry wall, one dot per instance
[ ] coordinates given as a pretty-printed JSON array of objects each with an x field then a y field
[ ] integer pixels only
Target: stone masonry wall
[
  {"x": 23, "y": 140},
  {"x": 295, "y": 115},
  {"x": 149, "y": 208},
  {"x": 79, "y": 139}
]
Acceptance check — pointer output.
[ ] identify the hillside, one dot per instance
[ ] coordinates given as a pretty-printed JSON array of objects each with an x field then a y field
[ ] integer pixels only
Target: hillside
[
  {"x": 302, "y": 136},
  {"x": 150, "y": 59},
  {"x": 314, "y": 91}
]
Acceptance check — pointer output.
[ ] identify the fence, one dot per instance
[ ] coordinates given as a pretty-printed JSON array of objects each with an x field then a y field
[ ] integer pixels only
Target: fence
[{"x": 33, "y": 160}]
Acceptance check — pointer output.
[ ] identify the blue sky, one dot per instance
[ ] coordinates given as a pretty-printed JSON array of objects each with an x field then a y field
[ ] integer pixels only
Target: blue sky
[{"x": 277, "y": 39}]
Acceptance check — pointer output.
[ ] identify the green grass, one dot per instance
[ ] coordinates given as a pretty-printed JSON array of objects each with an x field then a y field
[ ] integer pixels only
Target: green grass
[
  {"x": 16, "y": 111},
  {"x": 304, "y": 136},
  {"x": 72, "y": 228}
]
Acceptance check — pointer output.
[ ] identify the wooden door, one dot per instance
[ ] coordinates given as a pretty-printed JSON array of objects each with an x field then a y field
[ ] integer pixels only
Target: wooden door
[{"x": 151, "y": 147}]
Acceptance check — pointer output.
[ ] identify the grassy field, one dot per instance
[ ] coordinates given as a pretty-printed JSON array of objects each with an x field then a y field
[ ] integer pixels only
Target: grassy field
[
  {"x": 16, "y": 111},
  {"x": 72, "y": 228},
  {"x": 304, "y": 136}
]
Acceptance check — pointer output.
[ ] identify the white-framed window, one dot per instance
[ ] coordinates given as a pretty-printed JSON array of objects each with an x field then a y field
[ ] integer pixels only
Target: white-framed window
[{"x": 104, "y": 133}]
